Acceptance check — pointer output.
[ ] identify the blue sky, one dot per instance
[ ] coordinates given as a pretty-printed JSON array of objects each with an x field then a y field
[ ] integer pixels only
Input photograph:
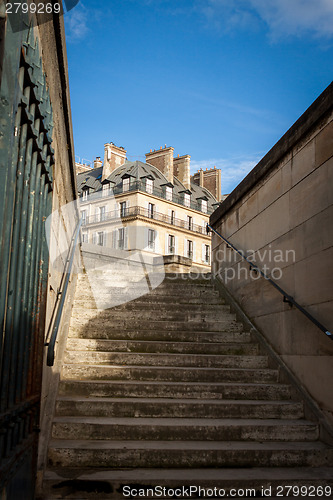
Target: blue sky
[{"x": 221, "y": 80}]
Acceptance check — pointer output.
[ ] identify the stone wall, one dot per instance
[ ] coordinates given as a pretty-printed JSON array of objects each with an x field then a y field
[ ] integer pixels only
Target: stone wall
[{"x": 281, "y": 217}]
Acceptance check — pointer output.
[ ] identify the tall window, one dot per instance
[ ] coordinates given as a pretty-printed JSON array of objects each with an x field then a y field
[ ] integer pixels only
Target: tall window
[
  {"x": 149, "y": 185},
  {"x": 190, "y": 249},
  {"x": 204, "y": 206},
  {"x": 126, "y": 184},
  {"x": 123, "y": 209},
  {"x": 84, "y": 217},
  {"x": 84, "y": 237},
  {"x": 151, "y": 239},
  {"x": 172, "y": 217},
  {"x": 151, "y": 210},
  {"x": 207, "y": 254},
  {"x": 189, "y": 222},
  {"x": 187, "y": 199},
  {"x": 106, "y": 190},
  {"x": 168, "y": 193},
  {"x": 121, "y": 238},
  {"x": 102, "y": 215},
  {"x": 101, "y": 239},
  {"x": 85, "y": 194},
  {"x": 171, "y": 243}
]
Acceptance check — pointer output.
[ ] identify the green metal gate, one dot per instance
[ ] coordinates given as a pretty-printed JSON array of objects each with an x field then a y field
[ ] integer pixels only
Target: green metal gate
[{"x": 26, "y": 163}]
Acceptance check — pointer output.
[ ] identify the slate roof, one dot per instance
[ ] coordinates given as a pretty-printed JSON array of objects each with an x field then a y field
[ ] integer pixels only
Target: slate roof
[{"x": 139, "y": 171}]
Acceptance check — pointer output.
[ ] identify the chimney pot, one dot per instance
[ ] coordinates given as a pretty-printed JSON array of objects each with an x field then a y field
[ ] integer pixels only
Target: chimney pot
[
  {"x": 151, "y": 150},
  {"x": 161, "y": 147}
]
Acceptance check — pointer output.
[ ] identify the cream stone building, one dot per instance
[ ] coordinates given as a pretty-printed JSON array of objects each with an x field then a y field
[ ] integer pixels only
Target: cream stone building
[{"x": 153, "y": 207}]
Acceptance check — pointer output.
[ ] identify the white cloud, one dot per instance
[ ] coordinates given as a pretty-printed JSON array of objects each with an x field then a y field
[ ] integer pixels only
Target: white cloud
[
  {"x": 233, "y": 170},
  {"x": 282, "y": 17},
  {"x": 77, "y": 23}
]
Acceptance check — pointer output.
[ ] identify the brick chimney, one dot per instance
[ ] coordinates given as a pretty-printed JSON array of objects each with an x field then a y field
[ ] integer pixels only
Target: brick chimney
[
  {"x": 181, "y": 169},
  {"x": 163, "y": 160},
  {"x": 98, "y": 163},
  {"x": 209, "y": 179},
  {"x": 114, "y": 157}
]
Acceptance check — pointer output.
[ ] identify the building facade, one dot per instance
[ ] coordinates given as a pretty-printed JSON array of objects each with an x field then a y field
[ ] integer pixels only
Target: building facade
[{"x": 153, "y": 207}]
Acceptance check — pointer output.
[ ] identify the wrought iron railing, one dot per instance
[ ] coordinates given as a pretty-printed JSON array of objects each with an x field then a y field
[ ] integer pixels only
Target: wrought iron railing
[
  {"x": 123, "y": 214},
  {"x": 286, "y": 297},
  {"x": 141, "y": 186}
]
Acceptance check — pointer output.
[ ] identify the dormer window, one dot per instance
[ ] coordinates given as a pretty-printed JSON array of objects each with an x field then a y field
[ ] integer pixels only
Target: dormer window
[
  {"x": 85, "y": 193},
  {"x": 106, "y": 189},
  {"x": 149, "y": 185},
  {"x": 204, "y": 206},
  {"x": 187, "y": 200},
  {"x": 126, "y": 184},
  {"x": 168, "y": 193}
]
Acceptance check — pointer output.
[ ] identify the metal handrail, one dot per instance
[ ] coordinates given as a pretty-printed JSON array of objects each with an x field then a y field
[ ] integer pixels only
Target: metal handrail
[
  {"x": 286, "y": 297},
  {"x": 67, "y": 271}
]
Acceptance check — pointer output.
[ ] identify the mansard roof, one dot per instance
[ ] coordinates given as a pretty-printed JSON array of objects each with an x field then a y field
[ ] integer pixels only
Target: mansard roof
[{"x": 138, "y": 171}]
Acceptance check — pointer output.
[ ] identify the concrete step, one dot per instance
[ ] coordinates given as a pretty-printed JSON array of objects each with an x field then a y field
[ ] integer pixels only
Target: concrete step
[
  {"x": 167, "y": 373},
  {"x": 223, "y": 336},
  {"x": 187, "y": 454},
  {"x": 141, "y": 346},
  {"x": 175, "y": 390},
  {"x": 167, "y": 359},
  {"x": 251, "y": 482},
  {"x": 135, "y": 324},
  {"x": 163, "y": 407},
  {"x": 147, "y": 308},
  {"x": 89, "y": 301},
  {"x": 113, "y": 315},
  {"x": 183, "y": 429}
]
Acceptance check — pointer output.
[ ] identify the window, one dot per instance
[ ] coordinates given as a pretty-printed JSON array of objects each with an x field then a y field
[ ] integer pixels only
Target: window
[
  {"x": 102, "y": 215},
  {"x": 171, "y": 244},
  {"x": 190, "y": 249},
  {"x": 123, "y": 205},
  {"x": 85, "y": 194},
  {"x": 207, "y": 254},
  {"x": 121, "y": 238},
  {"x": 126, "y": 184},
  {"x": 101, "y": 239},
  {"x": 151, "y": 210},
  {"x": 187, "y": 200},
  {"x": 84, "y": 217},
  {"x": 204, "y": 206},
  {"x": 106, "y": 190},
  {"x": 84, "y": 237},
  {"x": 151, "y": 239},
  {"x": 189, "y": 222},
  {"x": 172, "y": 217},
  {"x": 149, "y": 185},
  {"x": 168, "y": 193}
]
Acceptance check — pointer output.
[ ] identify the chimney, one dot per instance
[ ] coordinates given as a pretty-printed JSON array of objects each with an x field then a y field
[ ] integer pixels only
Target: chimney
[
  {"x": 163, "y": 160},
  {"x": 181, "y": 170},
  {"x": 114, "y": 157},
  {"x": 209, "y": 179},
  {"x": 98, "y": 163}
]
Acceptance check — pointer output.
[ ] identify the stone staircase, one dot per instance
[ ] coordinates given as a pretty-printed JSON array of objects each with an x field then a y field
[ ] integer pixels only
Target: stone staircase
[{"x": 169, "y": 390}]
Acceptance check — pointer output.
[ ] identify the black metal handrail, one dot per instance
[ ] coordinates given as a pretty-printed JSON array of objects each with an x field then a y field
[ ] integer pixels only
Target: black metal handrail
[
  {"x": 286, "y": 297},
  {"x": 67, "y": 272}
]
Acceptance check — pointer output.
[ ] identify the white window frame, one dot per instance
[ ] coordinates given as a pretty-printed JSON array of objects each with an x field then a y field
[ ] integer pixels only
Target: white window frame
[
  {"x": 204, "y": 206},
  {"x": 85, "y": 237},
  {"x": 101, "y": 238},
  {"x": 189, "y": 249},
  {"x": 151, "y": 210},
  {"x": 84, "y": 217},
  {"x": 189, "y": 225},
  {"x": 171, "y": 249},
  {"x": 102, "y": 213},
  {"x": 168, "y": 193},
  {"x": 149, "y": 185},
  {"x": 187, "y": 200},
  {"x": 85, "y": 193},
  {"x": 106, "y": 189},
  {"x": 122, "y": 205},
  {"x": 126, "y": 184},
  {"x": 151, "y": 242}
]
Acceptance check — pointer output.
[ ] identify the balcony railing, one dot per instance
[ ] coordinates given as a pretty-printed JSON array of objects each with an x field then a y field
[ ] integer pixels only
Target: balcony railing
[
  {"x": 130, "y": 212},
  {"x": 141, "y": 186}
]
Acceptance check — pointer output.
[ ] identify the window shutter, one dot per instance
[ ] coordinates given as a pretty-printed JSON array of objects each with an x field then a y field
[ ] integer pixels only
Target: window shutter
[
  {"x": 203, "y": 252},
  {"x": 194, "y": 258},
  {"x": 114, "y": 239},
  {"x": 176, "y": 245},
  {"x": 166, "y": 244},
  {"x": 125, "y": 238},
  {"x": 94, "y": 238},
  {"x": 185, "y": 247}
]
